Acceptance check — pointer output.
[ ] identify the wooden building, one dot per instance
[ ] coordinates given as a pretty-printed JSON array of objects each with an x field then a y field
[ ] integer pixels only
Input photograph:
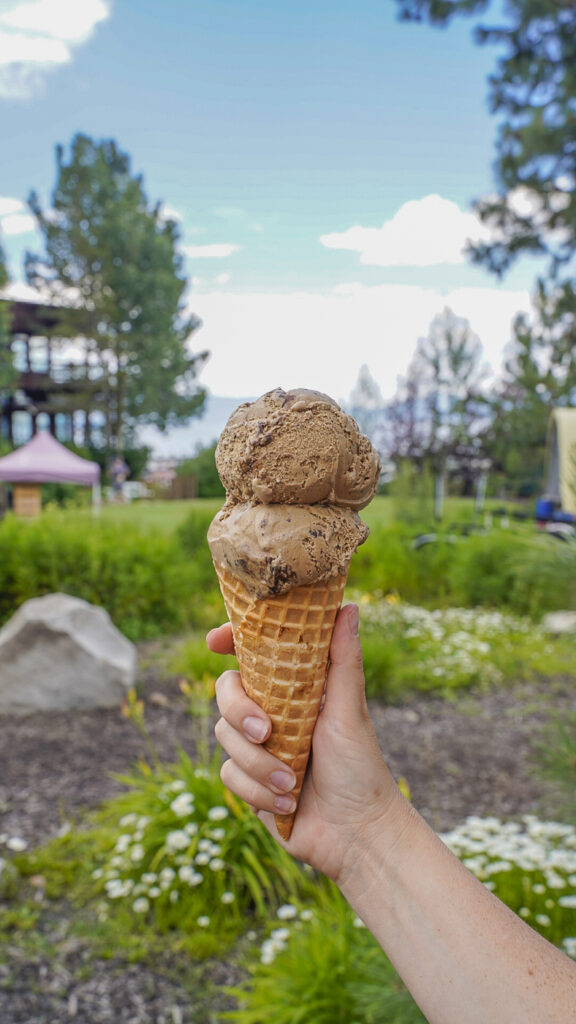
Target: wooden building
[{"x": 52, "y": 391}]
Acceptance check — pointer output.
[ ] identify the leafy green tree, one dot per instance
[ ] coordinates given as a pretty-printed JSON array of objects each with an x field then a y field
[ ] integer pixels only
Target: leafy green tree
[
  {"x": 539, "y": 375},
  {"x": 437, "y": 416},
  {"x": 203, "y": 467},
  {"x": 533, "y": 93},
  {"x": 111, "y": 254}
]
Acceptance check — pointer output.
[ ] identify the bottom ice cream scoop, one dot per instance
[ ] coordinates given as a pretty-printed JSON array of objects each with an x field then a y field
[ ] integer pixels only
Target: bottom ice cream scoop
[{"x": 274, "y": 548}]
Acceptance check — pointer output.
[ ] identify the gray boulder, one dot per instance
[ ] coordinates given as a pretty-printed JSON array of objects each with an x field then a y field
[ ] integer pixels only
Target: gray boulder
[{"x": 59, "y": 652}]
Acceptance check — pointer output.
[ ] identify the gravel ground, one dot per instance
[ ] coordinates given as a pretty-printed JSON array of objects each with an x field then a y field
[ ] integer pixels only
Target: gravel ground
[{"x": 469, "y": 756}]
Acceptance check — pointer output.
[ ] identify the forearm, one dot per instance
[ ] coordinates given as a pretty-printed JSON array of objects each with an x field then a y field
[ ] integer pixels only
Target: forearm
[{"x": 466, "y": 958}]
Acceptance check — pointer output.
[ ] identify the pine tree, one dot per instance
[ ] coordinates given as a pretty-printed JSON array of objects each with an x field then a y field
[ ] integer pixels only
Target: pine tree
[{"x": 110, "y": 254}]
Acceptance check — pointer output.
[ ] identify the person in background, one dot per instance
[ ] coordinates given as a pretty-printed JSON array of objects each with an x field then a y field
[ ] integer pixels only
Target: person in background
[
  {"x": 465, "y": 957},
  {"x": 119, "y": 472}
]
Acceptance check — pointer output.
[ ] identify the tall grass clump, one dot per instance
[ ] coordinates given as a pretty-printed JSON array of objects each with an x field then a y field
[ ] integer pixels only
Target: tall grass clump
[
  {"x": 317, "y": 962},
  {"x": 187, "y": 855}
]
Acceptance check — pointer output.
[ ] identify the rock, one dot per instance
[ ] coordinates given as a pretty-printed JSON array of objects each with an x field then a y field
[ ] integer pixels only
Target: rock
[
  {"x": 560, "y": 622},
  {"x": 59, "y": 653}
]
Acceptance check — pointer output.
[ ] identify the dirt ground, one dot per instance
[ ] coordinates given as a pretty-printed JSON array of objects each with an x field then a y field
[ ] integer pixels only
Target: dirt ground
[{"x": 470, "y": 756}]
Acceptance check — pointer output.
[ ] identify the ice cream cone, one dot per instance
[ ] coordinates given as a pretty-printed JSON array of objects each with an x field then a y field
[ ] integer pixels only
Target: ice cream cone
[{"x": 282, "y": 644}]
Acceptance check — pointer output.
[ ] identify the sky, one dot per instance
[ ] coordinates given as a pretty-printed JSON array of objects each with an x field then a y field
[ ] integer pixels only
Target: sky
[{"x": 321, "y": 159}]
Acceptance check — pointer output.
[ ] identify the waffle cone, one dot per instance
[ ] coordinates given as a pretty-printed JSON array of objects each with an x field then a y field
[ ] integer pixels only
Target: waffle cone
[{"x": 282, "y": 644}]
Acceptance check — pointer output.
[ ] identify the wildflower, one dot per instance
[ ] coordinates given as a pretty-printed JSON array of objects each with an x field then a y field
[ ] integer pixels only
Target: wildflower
[
  {"x": 149, "y": 877},
  {"x": 218, "y": 834},
  {"x": 154, "y": 892},
  {"x": 141, "y": 905},
  {"x": 187, "y": 874},
  {"x": 177, "y": 786},
  {"x": 202, "y": 859},
  {"x": 167, "y": 875},
  {"x": 543, "y": 920},
  {"x": 567, "y": 901},
  {"x": 570, "y": 946},
  {"x": 203, "y": 922},
  {"x": 128, "y": 819},
  {"x": 358, "y": 923},
  {"x": 228, "y": 897},
  {"x": 217, "y": 813},
  {"x": 174, "y": 896},
  {"x": 123, "y": 842},
  {"x": 217, "y": 864},
  {"x": 191, "y": 828},
  {"x": 183, "y": 805},
  {"x": 306, "y": 915},
  {"x": 286, "y": 912},
  {"x": 137, "y": 853},
  {"x": 178, "y": 840}
]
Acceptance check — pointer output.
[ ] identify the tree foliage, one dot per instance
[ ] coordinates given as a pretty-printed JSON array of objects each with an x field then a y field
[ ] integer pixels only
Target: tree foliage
[
  {"x": 203, "y": 467},
  {"x": 437, "y": 415},
  {"x": 8, "y": 374},
  {"x": 533, "y": 93},
  {"x": 112, "y": 255},
  {"x": 539, "y": 376}
]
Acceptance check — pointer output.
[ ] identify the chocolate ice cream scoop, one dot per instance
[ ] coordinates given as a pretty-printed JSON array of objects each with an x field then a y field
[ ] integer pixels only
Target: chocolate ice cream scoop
[
  {"x": 274, "y": 548},
  {"x": 296, "y": 447}
]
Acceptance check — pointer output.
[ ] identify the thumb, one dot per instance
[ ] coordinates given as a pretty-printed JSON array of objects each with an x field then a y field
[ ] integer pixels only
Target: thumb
[{"x": 345, "y": 688}]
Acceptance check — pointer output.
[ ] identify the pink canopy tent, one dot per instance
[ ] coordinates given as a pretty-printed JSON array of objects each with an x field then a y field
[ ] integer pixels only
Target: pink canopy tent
[{"x": 44, "y": 460}]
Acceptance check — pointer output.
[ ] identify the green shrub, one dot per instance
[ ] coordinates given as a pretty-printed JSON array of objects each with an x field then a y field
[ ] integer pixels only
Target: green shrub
[
  {"x": 320, "y": 964},
  {"x": 408, "y": 648},
  {"x": 141, "y": 578}
]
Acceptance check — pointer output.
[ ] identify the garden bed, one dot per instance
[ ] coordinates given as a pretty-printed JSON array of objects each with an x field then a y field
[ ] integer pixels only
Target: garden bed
[{"x": 470, "y": 755}]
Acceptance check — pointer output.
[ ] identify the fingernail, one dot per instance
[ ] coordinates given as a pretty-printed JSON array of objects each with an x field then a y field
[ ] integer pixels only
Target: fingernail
[
  {"x": 285, "y": 804},
  {"x": 255, "y": 728},
  {"x": 282, "y": 780},
  {"x": 353, "y": 619}
]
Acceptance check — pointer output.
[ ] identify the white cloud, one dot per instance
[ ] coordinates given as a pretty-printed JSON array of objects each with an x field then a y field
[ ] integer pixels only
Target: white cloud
[
  {"x": 17, "y": 224},
  {"x": 38, "y": 36},
  {"x": 14, "y": 219},
  {"x": 263, "y": 340},
  {"x": 422, "y": 233},
  {"x": 216, "y": 251},
  {"x": 8, "y": 206}
]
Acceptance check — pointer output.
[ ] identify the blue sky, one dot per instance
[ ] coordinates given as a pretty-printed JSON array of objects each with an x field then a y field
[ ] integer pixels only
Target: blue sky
[{"x": 321, "y": 158}]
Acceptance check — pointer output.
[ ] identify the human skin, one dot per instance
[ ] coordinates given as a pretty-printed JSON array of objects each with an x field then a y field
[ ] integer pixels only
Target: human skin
[{"x": 464, "y": 956}]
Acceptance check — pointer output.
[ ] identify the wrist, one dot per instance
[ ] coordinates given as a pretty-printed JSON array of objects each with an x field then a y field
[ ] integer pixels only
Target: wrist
[{"x": 370, "y": 860}]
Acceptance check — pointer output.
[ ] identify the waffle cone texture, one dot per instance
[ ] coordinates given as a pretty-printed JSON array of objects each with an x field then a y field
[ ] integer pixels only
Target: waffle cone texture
[{"x": 282, "y": 644}]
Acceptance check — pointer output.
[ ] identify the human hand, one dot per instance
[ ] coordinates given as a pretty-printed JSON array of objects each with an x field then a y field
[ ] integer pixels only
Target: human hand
[{"x": 348, "y": 790}]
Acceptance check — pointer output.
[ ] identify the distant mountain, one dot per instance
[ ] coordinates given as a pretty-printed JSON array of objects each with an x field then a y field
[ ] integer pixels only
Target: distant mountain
[{"x": 180, "y": 442}]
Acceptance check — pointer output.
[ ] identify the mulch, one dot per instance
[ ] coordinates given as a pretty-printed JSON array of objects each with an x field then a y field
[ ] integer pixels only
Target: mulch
[{"x": 472, "y": 755}]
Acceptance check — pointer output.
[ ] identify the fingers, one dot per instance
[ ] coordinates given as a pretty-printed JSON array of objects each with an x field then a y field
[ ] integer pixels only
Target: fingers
[
  {"x": 242, "y": 713},
  {"x": 220, "y": 640},
  {"x": 253, "y": 774},
  {"x": 345, "y": 687}
]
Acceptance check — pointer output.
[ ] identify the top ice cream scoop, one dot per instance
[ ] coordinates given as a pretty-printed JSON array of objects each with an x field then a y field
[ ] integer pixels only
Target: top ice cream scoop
[{"x": 296, "y": 447}]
